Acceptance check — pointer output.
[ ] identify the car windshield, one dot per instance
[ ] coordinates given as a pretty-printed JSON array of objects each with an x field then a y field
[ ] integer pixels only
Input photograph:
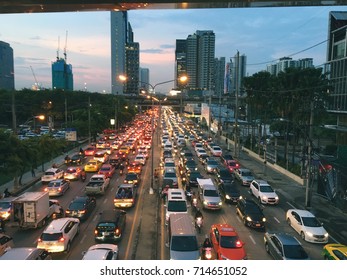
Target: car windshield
[
  {"x": 246, "y": 173},
  {"x": 195, "y": 175},
  {"x": 212, "y": 193},
  {"x": 184, "y": 243},
  {"x": 106, "y": 226},
  {"x": 311, "y": 222},
  {"x": 191, "y": 163},
  {"x": 75, "y": 157},
  {"x": 54, "y": 184},
  {"x": 105, "y": 169},
  {"x": 266, "y": 189},
  {"x": 230, "y": 242},
  {"x": 170, "y": 164},
  {"x": 49, "y": 173},
  {"x": 225, "y": 174},
  {"x": 253, "y": 209},
  {"x": 212, "y": 162},
  {"x": 5, "y": 205},
  {"x": 170, "y": 175},
  {"x": 71, "y": 170},
  {"x": 295, "y": 252},
  {"x": 177, "y": 206},
  {"x": 131, "y": 177}
]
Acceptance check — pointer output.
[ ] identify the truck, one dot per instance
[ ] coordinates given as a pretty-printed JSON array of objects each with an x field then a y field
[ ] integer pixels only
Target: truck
[
  {"x": 97, "y": 185},
  {"x": 125, "y": 196},
  {"x": 32, "y": 210}
]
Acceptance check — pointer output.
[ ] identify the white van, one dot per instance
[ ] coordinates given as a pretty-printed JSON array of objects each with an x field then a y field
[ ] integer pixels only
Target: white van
[
  {"x": 176, "y": 203},
  {"x": 209, "y": 194},
  {"x": 183, "y": 241}
]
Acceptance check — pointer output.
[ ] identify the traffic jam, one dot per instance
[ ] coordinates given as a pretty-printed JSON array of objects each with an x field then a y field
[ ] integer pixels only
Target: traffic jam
[{"x": 207, "y": 204}]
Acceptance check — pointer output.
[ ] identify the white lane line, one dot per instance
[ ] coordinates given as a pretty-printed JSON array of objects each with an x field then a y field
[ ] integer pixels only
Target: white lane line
[
  {"x": 83, "y": 238},
  {"x": 252, "y": 239},
  {"x": 277, "y": 220},
  {"x": 291, "y": 205}
]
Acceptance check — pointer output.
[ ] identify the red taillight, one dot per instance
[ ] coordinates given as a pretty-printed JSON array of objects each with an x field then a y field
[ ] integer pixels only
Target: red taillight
[
  {"x": 96, "y": 232},
  {"x": 61, "y": 239},
  {"x": 46, "y": 189},
  {"x": 83, "y": 211},
  {"x": 39, "y": 240},
  {"x": 117, "y": 231},
  {"x": 59, "y": 189},
  {"x": 238, "y": 244}
]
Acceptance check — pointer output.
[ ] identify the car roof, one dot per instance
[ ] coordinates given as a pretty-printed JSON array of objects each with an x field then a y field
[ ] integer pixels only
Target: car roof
[
  {"x": 286, "y": 238},
  {"x": 302, "y": 213},
  {"x": 109, "y": 215},
  {"x": 225, "y": 229},
  {"x": 262, "y": 182}
]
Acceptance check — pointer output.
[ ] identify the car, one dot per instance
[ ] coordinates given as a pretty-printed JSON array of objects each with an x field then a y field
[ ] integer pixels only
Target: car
[
  {"x": 6, "y": 243},
  {"x": 170, "y": 173},
  {"x": 90, "y": 151},
  {"x": 132, "y": 178},
  {"x": 226, "y": 243},
  {"x": 203, "y": 158},
  {"x": 115, "y": 161},
  {"x": 72, "y": 173},
  {"x": 223, "y": 175},
  {"x": 169, "y": 163},
  {"x": 101, "y": 144},
  {"x": 200, "y": 152},
  {"x": 107, "y": 169},
  {"x": 59, "y": 234},
  {"x": 102, "y": 156},
  {"x": 191, "y": 178},
  {"x": 110, "y": 226},
  {"x": 135, "y": 167},
  {"x": 102, "y": 252},
  {"x": 211, "y": 165},
  {"x": 226, "y": 158},
  {"x": 140, "y": 159},
  {"x": 216, "y": 151},
  {"x": 26, "y": 253},
  {"x": 263, "y": 192},
  {"x": 6, "y": 207},
  {"x": 244, "y": 175},
  {"x": 334, "y": 251},
  {"x": 92, "y": 166},
  {"x": 229, "y": 192},
  {"x": 232, "y": 165},
  {"x": 77, "y": 159},
  {"x": 124, "y": 150},
  {"x": 190, "y": 166},
  {"x": 307, "y": 226},
  {"x": 52, "y": 174},
  {"x": 57, "y": 187},
  {"x": 250, "y": 213},
  {"x": 81, "y": 207},
  {"x": 284, "y": 246}
]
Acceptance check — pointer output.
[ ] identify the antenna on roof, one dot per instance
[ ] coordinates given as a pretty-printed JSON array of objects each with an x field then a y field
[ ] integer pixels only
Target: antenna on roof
[
  {"x": 65, "y": 46},
  {"x": 58, "y": 47}
]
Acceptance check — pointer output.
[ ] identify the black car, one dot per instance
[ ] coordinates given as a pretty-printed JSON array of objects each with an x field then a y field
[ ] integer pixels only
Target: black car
[
  {"x": 81, "y": 207},
  {"x": 229, "y": 192},
  {"x": 110, "y": 226},
  {"x": 190, "y": 165},
  {"x": 115, "y": 162},
  {"x": 132, "y": 178},
  {"x": 78, "y": 159},
  {"x": 191, "y": 179},
  {"x": 224, "y": 176},
  {"x": 250, "y": 213},
  {"x": 226, "y": 158}
]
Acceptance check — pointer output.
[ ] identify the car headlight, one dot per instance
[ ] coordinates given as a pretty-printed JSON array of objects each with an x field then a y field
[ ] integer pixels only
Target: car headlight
[
  {"x": 326, "y": 235},
  {"x": 227, "y": 196},
  {"x": 264, "y": 197},
  {"x": 220, "y": 203},
  {"x": 209, "y": 168},
  {"x": 263, "y": 219},
  {"x": 249, "y": 219},
  {"x": 205, "y": 202},
  {"x": 308, "y": 233}
]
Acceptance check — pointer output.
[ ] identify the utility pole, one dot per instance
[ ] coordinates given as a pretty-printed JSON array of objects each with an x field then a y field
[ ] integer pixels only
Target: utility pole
[
  {"x": 309, "y": 171},
  {"x": 236, "y": 114},
  {"x": 89, "y": 133}
]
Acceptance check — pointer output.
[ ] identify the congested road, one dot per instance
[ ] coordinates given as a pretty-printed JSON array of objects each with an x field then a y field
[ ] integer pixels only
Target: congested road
[{"x": 138, "y": 223}]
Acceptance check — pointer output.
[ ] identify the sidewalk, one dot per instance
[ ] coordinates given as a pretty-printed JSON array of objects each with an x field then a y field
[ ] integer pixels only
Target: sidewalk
[
  {"x": 334, "y": 220},
  {"x": 28, "y": 180}
]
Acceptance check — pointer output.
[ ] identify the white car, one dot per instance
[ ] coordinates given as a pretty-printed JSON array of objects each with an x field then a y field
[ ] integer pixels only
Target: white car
[
  {"x": 263, "y": 192},
  {"x": 216, "y": 151},
  {"x": 140, "y": 159},
  {"x": 101, "y": 252},
  {"x": 200, "y": 152},
  {"x": 307, "y": 225},
  {"x": 52, "y": 174},
  {"x": 244, "y": 175}
]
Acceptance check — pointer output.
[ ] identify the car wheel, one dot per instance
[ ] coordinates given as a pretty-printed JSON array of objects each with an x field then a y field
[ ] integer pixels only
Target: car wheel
[
  {"x": 267, "y": 248},
  {"x": 245, "y": 221},
  {"x": 288, "y": 222},
  {"x": 68, "y": 247},
  {"x": 259, "y": 200},
  {"x": 302, "y": 234}
]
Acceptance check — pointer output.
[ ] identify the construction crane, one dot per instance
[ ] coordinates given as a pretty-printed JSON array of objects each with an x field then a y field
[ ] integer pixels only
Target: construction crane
[
  {"x": 65, "y": 55},
  {"x": 37, "y": 85},
  {"x": 58, "y": 48}
]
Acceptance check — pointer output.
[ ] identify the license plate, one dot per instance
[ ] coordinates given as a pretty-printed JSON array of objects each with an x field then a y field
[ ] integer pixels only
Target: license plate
[{"x": 257, "y": 225}]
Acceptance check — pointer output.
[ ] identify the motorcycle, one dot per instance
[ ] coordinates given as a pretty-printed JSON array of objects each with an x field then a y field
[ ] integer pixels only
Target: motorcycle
[
  {"x": 207, "y": 253},
  {"x": 198, "y": 223},
  {"x": 189, "y": 195},
  {"x": 194, "y": 203},
  {"x": 83, "y": 177}
]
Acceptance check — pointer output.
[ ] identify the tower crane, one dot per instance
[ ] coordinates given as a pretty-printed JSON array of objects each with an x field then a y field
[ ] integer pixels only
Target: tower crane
[
  {"x": 65, "y": 55},
  {"x": 37, "y": 85}
]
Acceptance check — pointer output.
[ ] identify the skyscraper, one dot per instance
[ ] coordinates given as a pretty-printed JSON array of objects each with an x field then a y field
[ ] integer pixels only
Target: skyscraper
[
  {"x": 219, "y": 76},
  {"x": 237, "y": 71},
  {"x": 180, "y": 60},
  {"x": 144, "y": 79},
  {"x": 132, "y": 68},
  {"x": 62, "y": 76},
  {"x": 119, "y": 24},
  {"x": 6, "y": 66}
]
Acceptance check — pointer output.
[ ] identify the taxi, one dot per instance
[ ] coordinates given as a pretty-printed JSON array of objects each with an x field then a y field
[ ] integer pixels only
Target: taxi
[
  {"x": 335, "y": 252},
  {"x": 93, "y": 166},
  {"x": 124, "y": 150},
  {"x": 226, "y": 243},
  {"x": 135, "y": 167},
  {"x": 72, "y": 173}
]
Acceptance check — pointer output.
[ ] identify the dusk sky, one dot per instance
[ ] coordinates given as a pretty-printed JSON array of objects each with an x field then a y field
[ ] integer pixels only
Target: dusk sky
[{"x": 262, "y": 34}]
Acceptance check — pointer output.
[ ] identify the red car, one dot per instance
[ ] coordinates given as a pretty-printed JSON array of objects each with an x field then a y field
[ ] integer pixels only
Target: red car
[
  {"x": 226, "y": 243},
  {"x": 108, "y": 170},
  {"x": 232, "y": 165},
  {"x": 90, "y": 151}
]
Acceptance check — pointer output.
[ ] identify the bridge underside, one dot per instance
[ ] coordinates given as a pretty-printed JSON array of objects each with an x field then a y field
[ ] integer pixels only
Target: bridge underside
[{"x": 46, "y": 6}]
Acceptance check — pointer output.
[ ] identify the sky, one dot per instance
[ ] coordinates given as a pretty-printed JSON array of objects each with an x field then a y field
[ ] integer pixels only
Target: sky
[{"x": 262, "y": 34}]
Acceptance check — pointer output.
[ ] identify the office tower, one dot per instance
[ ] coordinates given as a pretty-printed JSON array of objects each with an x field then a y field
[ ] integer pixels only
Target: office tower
[
  {"x": 132, "y": 58},
  {"x": 238, "y": 72},
  {"x": 219, "y": 76},
  {"x": 119, "y": 24},
  {"x": 144, "y": 79},
  {"x": 6, "y": 66},
  {"x": 180, "y": 60}
]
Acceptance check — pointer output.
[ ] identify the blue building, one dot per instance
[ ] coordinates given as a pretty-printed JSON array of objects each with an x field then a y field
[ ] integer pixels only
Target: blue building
[{"x": 62, "y": 77}]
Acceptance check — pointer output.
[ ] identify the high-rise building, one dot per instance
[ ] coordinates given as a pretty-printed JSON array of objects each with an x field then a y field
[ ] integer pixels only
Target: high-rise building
[
  {"x": 144, "y": 79},
  {"x": 62, "y": 76},
  {"x": 219, "y": 76},
  {"x": 336, "y": 68},
  {"x": 6, "y": 66},
  {"x": 132, "y": 68},
  {"x": 180, "y": 60},
  {"x": 288, "y": 62},
  {"x": 237, "y": 72},
  {"x": 119, "y": 25}
]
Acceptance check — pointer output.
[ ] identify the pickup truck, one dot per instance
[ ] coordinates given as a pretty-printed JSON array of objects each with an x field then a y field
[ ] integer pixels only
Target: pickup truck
[
  {"x": 125, "y": 196},
  {"x": 97, "y": 184}
]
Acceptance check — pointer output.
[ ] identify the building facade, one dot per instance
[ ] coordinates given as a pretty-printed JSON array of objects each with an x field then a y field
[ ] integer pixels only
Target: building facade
[
  {"x": 180, "y": 61},
  {"x": 144, "y": 79},
  {"x": 62, "y": 76},
  {"x": 6, "y": 66}
]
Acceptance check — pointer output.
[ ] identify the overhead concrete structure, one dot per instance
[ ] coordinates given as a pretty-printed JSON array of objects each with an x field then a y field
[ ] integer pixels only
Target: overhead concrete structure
[{"x": 39, "y": 6}]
